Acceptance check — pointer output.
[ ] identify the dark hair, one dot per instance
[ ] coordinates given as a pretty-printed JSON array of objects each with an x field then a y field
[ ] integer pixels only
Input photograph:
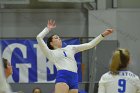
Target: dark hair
[
  {"x": 48, "y": 42},
  {"x": 120, "y": 60},
  {"x": 4, "y": 62},
  {"x": 35, "y": 89}
]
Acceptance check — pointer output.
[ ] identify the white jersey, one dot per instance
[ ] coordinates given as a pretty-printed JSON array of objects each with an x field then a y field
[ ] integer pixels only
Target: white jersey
[
  {"x": 124, "y": 82},
  {"x": 63, "y": 58}
]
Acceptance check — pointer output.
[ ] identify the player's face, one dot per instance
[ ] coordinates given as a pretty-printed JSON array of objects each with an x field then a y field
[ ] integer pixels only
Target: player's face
[
  {"x": 9, "y": 69},
  {"x": 56, "y": 41}
]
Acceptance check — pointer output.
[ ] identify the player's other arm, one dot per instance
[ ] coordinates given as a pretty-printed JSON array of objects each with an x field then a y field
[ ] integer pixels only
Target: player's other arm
[
  {"x": 93, "y": 43},
  {"x": 138, "y": 84},
  {"x": 101, "y": 88}
]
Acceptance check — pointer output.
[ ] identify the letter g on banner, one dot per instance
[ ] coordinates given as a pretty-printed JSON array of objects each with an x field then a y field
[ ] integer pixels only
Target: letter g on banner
[{"x": 8, "y": 52}]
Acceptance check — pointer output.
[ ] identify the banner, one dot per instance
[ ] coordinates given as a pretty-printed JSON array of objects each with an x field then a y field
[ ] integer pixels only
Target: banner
[{"x": 28, "y": 62}]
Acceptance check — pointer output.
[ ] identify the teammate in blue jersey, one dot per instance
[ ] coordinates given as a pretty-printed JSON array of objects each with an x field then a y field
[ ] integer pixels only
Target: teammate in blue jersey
[
  {"x": 63, "y": 58},
  {"x": 119, "y": 79}
]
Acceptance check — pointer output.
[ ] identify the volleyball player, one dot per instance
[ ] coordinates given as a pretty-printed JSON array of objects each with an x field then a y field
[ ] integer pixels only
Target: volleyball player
[
  {"x": 119, "y": 79},
  {"x": 63, "y": 58}
]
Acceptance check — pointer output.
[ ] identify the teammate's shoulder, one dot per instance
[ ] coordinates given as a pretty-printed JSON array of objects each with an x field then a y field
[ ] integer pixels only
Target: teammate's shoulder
[
  {"x": 133, "y": 75},
  {"x": 106, "y": 75}
]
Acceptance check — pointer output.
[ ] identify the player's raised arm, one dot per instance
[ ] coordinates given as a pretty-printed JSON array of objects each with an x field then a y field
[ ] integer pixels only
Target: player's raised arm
[
  {"x": 51, "y": 24},
  {"x": 93, "y": 43}
]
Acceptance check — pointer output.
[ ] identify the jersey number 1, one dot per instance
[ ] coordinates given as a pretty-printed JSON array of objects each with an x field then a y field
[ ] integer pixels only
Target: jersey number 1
[
  {"x": 65, "y": 54},
  {"x": 122, "y": 85}
]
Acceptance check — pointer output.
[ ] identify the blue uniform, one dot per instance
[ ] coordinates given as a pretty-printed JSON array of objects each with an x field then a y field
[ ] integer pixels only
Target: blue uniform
[{"x": 70, "y": 78}]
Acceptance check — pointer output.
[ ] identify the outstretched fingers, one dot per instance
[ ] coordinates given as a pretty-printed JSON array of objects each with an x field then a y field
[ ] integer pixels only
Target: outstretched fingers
[{"x": 51, "y": 24}]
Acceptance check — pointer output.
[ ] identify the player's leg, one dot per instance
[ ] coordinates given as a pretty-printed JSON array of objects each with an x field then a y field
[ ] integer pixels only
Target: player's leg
[
  {"x": 73, "y": 91},
  {"x": 62, "y": 88}
]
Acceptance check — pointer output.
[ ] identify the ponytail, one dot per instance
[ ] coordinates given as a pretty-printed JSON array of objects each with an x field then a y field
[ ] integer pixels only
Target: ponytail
[
  {"x": 115, "y": 62},
  {"x": 120, "y": 60}
]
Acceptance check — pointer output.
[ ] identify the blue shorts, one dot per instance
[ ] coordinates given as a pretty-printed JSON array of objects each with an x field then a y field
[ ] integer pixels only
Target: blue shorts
[{"x": 68, "y": 77}]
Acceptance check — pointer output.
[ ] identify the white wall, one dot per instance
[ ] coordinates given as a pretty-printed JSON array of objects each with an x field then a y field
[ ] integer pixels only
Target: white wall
[
  {"x": 126, "y": 22},
  {"x": 28, "y": 23},
  {"x": 128, "y": 3},
  {"x": 66, "y": 0},
  {"x": 106, "y": 4},
  {"x": 101, "y": 20}
]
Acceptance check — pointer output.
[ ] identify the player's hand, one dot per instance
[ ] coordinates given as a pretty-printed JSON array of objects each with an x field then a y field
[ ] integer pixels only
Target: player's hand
[
  {"x": 51, "y": 24},
  {"x": 107, "y": 32}
]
